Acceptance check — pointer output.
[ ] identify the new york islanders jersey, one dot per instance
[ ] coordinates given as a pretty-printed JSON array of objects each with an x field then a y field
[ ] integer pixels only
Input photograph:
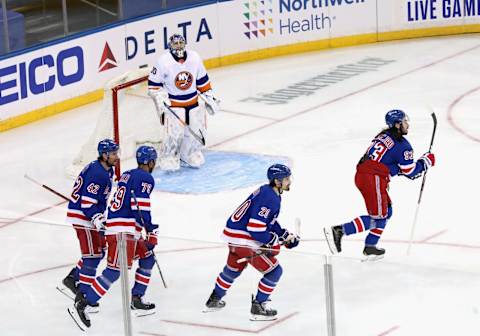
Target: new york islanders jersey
[
  {"x": 180, "y": 80},
  {"x": 90, "y": 193},
  {"x": 397, "y": 155},
  {"x": 254, "y": 219},
  {"x": 123, "y": 214}
]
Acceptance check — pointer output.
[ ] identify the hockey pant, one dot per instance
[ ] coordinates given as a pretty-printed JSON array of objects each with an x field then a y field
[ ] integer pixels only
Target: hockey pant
[
  {"x": 136, "y": 249},
  {"x": 92, "y": 247},
  {"x": 374, "y": 189},
  {"x": 179, "y": 143},
  {"x": 267, "y": 265}
]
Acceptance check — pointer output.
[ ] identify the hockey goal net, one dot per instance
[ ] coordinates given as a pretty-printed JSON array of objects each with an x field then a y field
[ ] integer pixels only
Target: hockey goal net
[{"x": 128, "y": 116}]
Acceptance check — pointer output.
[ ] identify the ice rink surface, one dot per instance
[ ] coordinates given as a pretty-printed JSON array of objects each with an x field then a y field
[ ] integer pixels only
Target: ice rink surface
[{"x": 434, "y": 291}]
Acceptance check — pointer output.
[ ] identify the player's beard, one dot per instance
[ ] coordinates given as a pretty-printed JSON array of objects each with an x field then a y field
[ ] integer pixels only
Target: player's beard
[{"x": 111, "y": 162}]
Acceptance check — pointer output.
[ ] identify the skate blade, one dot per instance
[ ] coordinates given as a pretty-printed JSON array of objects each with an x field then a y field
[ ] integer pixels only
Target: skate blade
[
  {"x": 93, "y": 310},
  {"x": 66, "y": 291},
  {"x": 142, "y": 313},
  {"x": 210, "y": 310},
  {"x": 373, "y": 258},
  {"x": 74, "y": 315},
  {"x": 329, "y": 238},
  {"x": 262, "y": 318}
]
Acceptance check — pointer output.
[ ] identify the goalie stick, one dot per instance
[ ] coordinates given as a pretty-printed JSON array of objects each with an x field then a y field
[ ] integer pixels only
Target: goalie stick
[
  {"x": 200, "y": 138},
  {"x": 143, "y": 223},
  {"x": 434, "y": 118}
]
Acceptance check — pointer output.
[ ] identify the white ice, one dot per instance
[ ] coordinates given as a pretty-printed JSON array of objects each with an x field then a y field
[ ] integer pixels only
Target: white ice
[{"x": 434, "y": 291}]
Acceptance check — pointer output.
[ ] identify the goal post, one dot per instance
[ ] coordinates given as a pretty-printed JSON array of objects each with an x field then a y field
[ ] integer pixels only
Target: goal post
[{"x": 127, "y": 116}]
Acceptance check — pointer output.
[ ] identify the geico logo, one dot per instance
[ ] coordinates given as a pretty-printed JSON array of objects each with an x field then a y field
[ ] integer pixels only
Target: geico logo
[
  {"x": 41, "y": 75},
  {"x": 184, "y": 80}
]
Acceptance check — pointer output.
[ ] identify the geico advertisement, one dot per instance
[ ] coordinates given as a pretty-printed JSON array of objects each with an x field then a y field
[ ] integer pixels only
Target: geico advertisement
[{"x": 72, "y": 68}]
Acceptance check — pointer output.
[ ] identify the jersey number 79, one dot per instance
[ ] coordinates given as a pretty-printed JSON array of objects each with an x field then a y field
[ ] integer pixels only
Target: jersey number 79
[{"x": 117, "y": 200}]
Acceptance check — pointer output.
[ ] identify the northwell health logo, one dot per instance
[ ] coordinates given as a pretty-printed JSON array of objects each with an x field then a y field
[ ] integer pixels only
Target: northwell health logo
[{"x": 259, "y": 18}]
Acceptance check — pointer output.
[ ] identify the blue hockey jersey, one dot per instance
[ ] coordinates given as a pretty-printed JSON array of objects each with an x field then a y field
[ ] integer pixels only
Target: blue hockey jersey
[
  {"x": 90, "y": 193},
  {"x": 123, "y": 214},
  {"x": 254, "y": 219},
  {"x": 397, "y": 155}
]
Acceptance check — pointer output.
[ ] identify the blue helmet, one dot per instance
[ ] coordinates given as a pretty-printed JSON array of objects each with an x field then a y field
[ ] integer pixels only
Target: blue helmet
[
  {"x": 278, "y": 171},
  {"x": 394, "y": 116},
  {"x": 107, "y": 146},
  {"x": 145, "y": 154}
]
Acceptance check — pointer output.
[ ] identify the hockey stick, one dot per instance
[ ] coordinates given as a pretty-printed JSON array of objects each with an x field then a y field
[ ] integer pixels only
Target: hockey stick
[
  {"x": 263, "y": 251},
  {"x": 412, "y": 231},
  {"x": 53, "y": 191},
  {"x": 200, "y": 138},
  {"x": 143, "y": 223}
]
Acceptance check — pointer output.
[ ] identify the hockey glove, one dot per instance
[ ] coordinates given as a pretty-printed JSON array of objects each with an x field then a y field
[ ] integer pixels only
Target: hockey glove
[
  {"x": 428, "y": 160},
  {"x": 160, "y": 97},
  {"x": 286, "y": 237},
  {"x": 152, "y": 239},
  {"x": 212, "y": 103},
  {"x": 98, "y": 221},
  {"x": 289, "y": 240},
  {"x": 272, "y": 248},
  {"x": 293, "y": 242}
]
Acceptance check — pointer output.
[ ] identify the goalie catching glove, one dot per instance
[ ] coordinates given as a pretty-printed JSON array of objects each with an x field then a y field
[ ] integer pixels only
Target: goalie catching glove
[
  {"x": 212, "y": 103},
  {"x": 160, "y": 97}
]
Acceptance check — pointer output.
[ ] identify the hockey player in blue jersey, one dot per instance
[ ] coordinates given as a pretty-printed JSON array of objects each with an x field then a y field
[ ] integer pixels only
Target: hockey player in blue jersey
[
  {"x": 389, "y": 154},
  {"x": 254, "y": 237},
  {"x": 131, "y": 215},
  {"x": 86, "y": 208}
]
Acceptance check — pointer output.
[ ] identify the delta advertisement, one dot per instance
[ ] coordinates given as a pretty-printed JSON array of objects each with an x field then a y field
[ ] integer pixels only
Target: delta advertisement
[{"x": 223, "y": 33}]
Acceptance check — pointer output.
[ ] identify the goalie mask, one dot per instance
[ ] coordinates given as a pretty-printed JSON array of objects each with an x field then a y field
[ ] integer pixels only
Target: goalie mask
[{"x": 176, "y": 44}]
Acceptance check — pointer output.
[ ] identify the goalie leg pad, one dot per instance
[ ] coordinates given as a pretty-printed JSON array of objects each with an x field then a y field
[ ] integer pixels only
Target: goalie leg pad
[
  {"x": 174, "y": 131},
  {"x": 191, "y": 148}
]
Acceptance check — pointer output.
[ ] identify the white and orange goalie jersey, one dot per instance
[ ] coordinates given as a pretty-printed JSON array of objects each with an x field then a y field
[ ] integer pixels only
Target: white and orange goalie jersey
[{"x": 182, "y": 80}]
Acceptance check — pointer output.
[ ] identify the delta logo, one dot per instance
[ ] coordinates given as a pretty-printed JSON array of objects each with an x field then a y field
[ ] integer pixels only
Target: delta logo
[
  {"x": 107, "y": 61},
  {"x": 259, "y": 18}
]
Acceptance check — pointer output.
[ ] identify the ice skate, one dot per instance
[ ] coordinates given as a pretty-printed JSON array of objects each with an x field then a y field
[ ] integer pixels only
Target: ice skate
[
  {"x": 79, "y": 312},
  {"x": 68, "y": 287},
  {"x": 140, "y": 307},
  {"x": 334, "y": 235},
  {"x": 214, "y": 303},
  {"x": 372, "y": 253},
  {"x": 260, "y": 312}
]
